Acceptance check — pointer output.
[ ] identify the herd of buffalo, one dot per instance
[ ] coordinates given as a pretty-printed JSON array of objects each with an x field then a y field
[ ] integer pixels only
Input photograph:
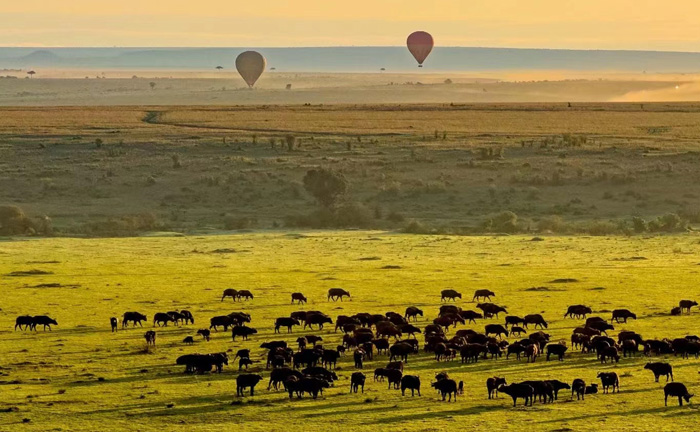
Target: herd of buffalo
[{"x": 309, "y": 367}]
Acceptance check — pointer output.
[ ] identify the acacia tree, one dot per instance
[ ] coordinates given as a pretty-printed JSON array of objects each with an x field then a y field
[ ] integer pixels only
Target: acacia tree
[{"x": 326, "y": 185}]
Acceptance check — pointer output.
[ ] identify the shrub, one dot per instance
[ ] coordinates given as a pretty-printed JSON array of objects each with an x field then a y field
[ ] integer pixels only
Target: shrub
[
  {"x": 353, "y": 215},
  {"x": 552, "y": 223},
  {"x": 237, "y": 223},
  {"x": 13, "y": 221},
  {"x": 602, "y": 228},
  {"x": 506, "y": 222},
  {"x": 670, "y": 222},
  {"x": 415, "y": 227},
  {"x": 639, "y": 225},
  {"x": 326, "y": 185},
  {"x": 395, "y": 217}
]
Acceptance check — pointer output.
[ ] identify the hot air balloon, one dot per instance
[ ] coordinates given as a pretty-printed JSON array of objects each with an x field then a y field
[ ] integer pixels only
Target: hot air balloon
[
  {"x": 420, "y": 44},
  {"x": 250, "y": 64}
]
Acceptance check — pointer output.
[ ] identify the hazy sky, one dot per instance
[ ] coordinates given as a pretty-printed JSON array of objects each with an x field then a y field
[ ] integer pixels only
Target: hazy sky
[{"x": 590, "y": 24}]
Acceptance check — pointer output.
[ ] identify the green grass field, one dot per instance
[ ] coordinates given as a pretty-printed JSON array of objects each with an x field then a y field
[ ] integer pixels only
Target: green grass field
[{"x": 80, "y": 376}]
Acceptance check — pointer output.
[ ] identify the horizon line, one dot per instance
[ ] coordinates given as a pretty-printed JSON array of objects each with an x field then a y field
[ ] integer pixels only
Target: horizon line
[{"x": 39, "y": 47}]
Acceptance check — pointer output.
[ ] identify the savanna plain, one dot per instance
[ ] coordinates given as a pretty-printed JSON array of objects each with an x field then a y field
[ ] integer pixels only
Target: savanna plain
[{"x": 161, "y": 208}]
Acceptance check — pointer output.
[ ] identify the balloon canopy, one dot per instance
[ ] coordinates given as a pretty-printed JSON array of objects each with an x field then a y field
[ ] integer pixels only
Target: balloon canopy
[
  {"x": 420, "y": 44},
  {"x": 250, "y": 64}
]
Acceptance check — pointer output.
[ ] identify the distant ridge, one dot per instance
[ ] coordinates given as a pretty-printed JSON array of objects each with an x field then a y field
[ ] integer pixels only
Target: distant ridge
[{"x": 354, "y": 59}]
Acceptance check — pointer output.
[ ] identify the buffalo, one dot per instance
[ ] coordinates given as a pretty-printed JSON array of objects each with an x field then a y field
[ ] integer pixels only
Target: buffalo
[
  {"x": 243, "y": 331},
  {"x": 492, "y": 385},
  {"x": 244, "y": 381},
  {"x": 336, "y": 294},
  {"x": 685, "y": 305},
  {"x": 357, "y": 380},
  {"x": 450, "y": 294},
  {"x": 413, "y": 312},
  {"x": 134, "y": 317},
  {"x": 557, "y": 350},
  {"x": 24, "y": 321},
  {"x": 578, "y": 311},
  {"x": 660, "y": 369},
  {"x": 496, "y": 329},
  {"x": 411, "y": 382},
  {"x": 298, "y": 297},
  {"x": 163, "y": 319},
  {"x": 518, "y": 391},
  {"x": 245, "y": 294},
  {"x": 230, "y": 292},
  {"x": 622, "y": 315},
  {"x": 285, "y": 322},
  {"x": 676, "y": 390},
  {"x": 43, "y": 320},
  {"x": 150, "y": 337},
  {"x": 483, "y": 294},
  {"x": 535, "y": 319},
  {"x": 578, "y": 387},
  {"x": 446, "y": 387},
  {"x": 609, "y": 380}
]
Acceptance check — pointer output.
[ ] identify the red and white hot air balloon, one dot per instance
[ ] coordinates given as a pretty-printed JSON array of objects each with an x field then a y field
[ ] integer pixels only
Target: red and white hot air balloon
[{"x": 420, "y": 44}]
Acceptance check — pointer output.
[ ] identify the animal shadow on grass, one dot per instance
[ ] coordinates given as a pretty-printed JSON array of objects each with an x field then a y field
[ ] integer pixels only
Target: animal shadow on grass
[
  {"x": 626, "y": 414},
  {"x": 474, "y": 410},
  {"x": 360, "y": 409}
]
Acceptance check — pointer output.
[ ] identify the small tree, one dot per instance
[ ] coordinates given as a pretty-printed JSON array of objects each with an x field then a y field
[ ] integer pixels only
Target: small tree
[
  {"x": 291, "y": 141},
  {"x": 152, "y": 84},
  {"x": 326, "y": 185},
  {"x": 219, "y": 67},
  {"x": 31, "y": 73}
]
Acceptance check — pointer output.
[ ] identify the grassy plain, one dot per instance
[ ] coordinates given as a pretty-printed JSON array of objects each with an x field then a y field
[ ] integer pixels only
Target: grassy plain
[
  {"x": 83, "y": 165},
  {"x": 82, "y": 377}
]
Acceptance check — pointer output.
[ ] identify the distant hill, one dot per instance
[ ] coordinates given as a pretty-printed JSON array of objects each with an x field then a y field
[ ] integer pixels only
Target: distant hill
[{"x": 354, "y": 59}]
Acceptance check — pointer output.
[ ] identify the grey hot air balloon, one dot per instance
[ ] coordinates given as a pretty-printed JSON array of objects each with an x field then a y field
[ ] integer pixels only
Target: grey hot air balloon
[{"x": 250, "y": 64}]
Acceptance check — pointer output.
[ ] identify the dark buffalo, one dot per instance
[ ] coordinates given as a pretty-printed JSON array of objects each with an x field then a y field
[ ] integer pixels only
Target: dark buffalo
[
  {"x": 230, "y": 292},
  {"x": 411, "y": 382},
  {"x": 336, "y": 294},
  {"x": 244, "y": 381},
  {"x": 578, "y": 311},
  {"x": 676, "y": 390},
  {"x": 492, "y": 385},
  {"x": 685, "y": 305},
  {"x": 535, "y": 319},
  {"x": 245, "y": 294},
  {"x": 286, "y": 322},
  {"x": 162, "y": 319},
  {"x": 483, "y": 294},
  {"x": 150, "y": 337},
  {"x": 578, "y": 387},
  {"x": 224, "y": 321},
  {"x": 243, "y": 331},
  {"x": 622, "y": 315},
  {"x": 519, "y": 391},
  {"x": 133, "y": 317},
  {"x": 44, "y": 321},
  {"x": 470, "y": 316},
  {"x": 492, "y": 309},
  {"x": 24, "y": 321},
  {"x": 450, "y": 294},
  {"x": 298, "y": 297},
  {"x": 413, "y": 312},
  {"x": 556, "y": 349},
  {"x": 446, "y": 387},
  {"x": 496, "y": 329},
  {"x": 609, "y": 380},
  {"x": 660, "y": 369},
  {"x": 357, "y": 381}
]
